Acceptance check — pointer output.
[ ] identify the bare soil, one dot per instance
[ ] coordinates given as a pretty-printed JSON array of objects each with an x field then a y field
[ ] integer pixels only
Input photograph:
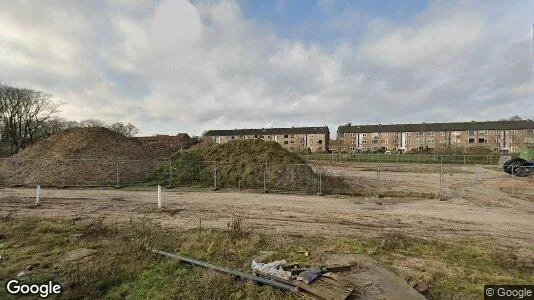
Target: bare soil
[{"x": 485, "y": 210}]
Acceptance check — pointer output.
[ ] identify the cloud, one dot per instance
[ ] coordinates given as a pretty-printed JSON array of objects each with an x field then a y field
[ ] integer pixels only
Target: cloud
[{"x": 177, "y": 66}]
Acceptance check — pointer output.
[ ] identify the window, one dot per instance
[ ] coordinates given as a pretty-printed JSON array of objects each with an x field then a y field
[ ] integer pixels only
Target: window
[
  {"x": 409, "y": 134},
  {"x": 286, "y": 136},
  {"x": 471, "y": 141},
  {"x": 385, "y": 134},
  {"x": 286, "y": 142},
  {"x": 352, "y": 149},
  {"x": 482, "y": 141},
  {"x": 430, "y": 133},
  {"x": 364, "y": 142},
  {"x": 442, "y": 133},
  {"x": 513, "y": 132},
  {"x": 420, "y": 134},
  {"x": 319, "y": 141},
  {"x": 386, "y": 141},
  {"x": 353, "y": 142},
  {"x": 255, "y": 136},
  {"x": 482, "y": 132},
  {"x": 233, "y": 137},
  {"x": 353, "y": 135},
  {"x": 431, "y": 141},
  {"x": 292, "y": 142},
  {"x": 364, "y": 134}
]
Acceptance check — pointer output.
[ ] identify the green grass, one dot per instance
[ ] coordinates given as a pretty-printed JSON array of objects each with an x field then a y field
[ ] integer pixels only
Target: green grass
[{"x": 122, "y": 268}]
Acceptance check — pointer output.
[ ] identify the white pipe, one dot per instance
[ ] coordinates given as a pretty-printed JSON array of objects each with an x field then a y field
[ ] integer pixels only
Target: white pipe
[
  {"x": 37, "y": 195},
  {"x": 159, "y": 196}
]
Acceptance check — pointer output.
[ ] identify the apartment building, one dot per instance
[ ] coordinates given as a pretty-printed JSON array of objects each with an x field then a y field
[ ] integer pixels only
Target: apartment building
[
  {"x": 297, "y": 139},
  {"x": 499, "y": 136}
]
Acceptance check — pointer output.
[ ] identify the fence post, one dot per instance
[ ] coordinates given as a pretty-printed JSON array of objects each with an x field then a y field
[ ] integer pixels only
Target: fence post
[
  {"x": 214, "y": 174},
  {"x": 17, "y": 164},
  {"x": 265, "y": 179},
  {"x": 159, "y": 196},
  {"x": 170, "y": 173},
  {"x": 465, "y": 162},
  {"x": 64, "y": 170},
  {"x": 118, "y": 182},
  {"x": 441, "y": 183},
  {"x": 320, "y": 184},
  {"x": 378, "y": 180},
  {"x": 38, "y": 195}
]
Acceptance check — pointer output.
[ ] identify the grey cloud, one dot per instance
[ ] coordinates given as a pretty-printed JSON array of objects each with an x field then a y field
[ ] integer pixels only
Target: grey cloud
[{"x": 174, "y": 65}]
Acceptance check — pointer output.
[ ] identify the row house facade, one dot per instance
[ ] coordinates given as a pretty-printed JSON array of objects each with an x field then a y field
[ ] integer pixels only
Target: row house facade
[
  {"x": 296, "y": 139},
  {"x": 499, "y": 136}
]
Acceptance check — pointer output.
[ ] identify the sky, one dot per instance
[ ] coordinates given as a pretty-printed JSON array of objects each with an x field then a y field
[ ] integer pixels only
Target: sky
[{"x": 172, "y": 66}]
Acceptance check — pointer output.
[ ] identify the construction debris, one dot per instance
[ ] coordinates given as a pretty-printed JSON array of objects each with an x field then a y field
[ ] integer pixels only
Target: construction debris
[
  {"x": 273, "y": 268},
  {"x": 224, "y": 270},
  {"x": 273, "y": 274},
  {"x": 312, "y": 283}
]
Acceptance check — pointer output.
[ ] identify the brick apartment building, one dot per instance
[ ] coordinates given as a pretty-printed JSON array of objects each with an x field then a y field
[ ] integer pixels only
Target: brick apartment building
[
  {"x": 297, "y": 139},
  {"x": 498, "y": 136},
  {"x": 181, "y": 141}
]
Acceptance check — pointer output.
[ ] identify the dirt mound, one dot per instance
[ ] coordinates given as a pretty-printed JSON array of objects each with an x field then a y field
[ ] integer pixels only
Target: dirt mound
[
  {"x": 244, "y": 164},
  {"x": 82, "y": 156}
]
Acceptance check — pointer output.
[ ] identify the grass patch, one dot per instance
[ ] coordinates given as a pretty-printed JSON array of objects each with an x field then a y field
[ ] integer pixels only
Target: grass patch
[{"x": 122, "y": 268}]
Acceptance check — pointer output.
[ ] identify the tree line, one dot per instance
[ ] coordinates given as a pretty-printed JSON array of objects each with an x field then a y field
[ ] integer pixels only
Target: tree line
[{"x": 28, "y": 115}]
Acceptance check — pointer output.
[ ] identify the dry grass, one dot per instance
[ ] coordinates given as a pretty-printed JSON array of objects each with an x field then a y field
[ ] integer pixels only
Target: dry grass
[{"x": 122, "y": 268}]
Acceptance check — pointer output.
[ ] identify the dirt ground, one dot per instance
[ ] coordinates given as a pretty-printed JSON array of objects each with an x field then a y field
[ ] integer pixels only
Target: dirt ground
[{"x": 484, "y": 209}]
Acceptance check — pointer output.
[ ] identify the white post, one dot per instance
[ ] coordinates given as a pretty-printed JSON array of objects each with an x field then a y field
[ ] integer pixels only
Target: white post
[
  {"x": 159, "y": 196},
  {"x": 38, "y": 195}
]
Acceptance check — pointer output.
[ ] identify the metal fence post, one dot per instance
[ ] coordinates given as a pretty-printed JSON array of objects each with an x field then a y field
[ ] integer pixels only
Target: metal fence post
[
  {"x": 441, "y": 183},
  {"x": 17, "y": 164},
  {"x": 378, "y": 180},
  {"x": 265, "y": 179},
  {"x": 170, "y": 173},
  {"x": 320, "y": 184},
  {"x": 513, "y": 182},
  {"x": 214, "y": 174},
  {"x": 64, "y": 170},
  {"x": 118, "y": 182}
]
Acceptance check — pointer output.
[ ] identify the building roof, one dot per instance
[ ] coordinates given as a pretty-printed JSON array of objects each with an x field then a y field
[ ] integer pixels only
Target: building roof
[
  {"x": 271, "y": 131},
  {"x": 456, "y": 126}
]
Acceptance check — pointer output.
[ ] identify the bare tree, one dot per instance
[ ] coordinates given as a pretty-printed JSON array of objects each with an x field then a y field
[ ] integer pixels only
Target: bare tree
[
  {"x": 127, "y": 129},
  {"x": 22, "y": 114}
]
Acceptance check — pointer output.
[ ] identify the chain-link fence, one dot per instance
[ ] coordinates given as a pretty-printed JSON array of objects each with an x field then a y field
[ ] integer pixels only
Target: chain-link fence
[
  {"x": 460, "y": 159},
  {"x": 384, "y": 179},
  {"x": 78, "y": 172}
]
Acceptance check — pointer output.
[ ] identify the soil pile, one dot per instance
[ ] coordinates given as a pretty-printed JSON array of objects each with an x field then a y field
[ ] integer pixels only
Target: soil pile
[
  {"x": 82, "y": 156},
  {"x": 244, "y": 164}
]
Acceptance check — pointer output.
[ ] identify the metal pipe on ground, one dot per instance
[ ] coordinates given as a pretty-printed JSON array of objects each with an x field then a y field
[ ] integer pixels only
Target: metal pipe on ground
[{"x": 224, "y": 270}]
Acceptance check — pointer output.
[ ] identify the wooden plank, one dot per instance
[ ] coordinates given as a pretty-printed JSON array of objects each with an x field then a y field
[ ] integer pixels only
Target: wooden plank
[{"x": 338, "y": 268}]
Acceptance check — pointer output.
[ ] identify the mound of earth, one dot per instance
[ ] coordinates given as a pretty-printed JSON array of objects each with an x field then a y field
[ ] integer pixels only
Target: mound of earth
[
  {"x": 83, "y": 156},
  {"x": 244, "y": 164}
]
